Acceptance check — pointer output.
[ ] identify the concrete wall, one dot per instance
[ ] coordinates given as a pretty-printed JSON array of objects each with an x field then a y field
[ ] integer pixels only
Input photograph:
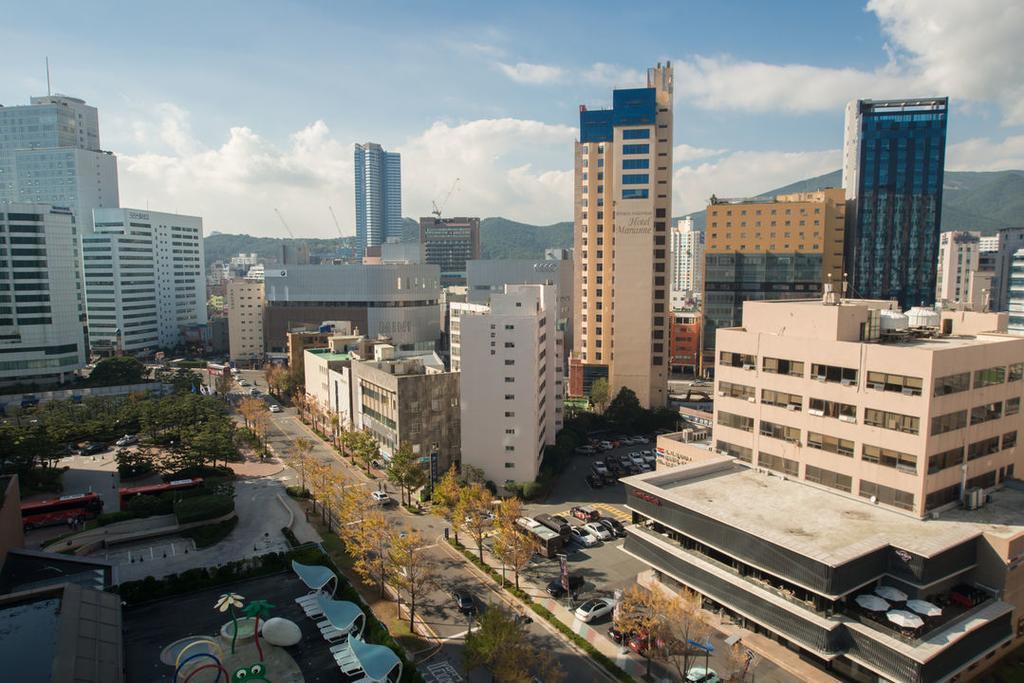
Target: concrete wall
[{"x": 12, "y": 534}]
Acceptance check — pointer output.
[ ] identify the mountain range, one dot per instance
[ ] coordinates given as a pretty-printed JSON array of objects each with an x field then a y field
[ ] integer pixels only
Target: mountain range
[{"x": 972, "y": 200}]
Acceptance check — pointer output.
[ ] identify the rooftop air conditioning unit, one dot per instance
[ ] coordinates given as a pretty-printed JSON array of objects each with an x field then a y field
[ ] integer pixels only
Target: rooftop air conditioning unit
[
  {"x": 877, "y": 385},
  {"x": 748, "y": 366},
  {"x": 907, "y": 391},
  {"x": 751, "y": 399},
  {"x": 847, "y": 382},
  {"x": 792, "y": 406},
  {"x": 818, "y": 413}
]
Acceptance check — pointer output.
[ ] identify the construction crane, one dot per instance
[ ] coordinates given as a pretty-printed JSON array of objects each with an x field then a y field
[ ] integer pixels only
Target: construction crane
[
  {"x": 335, "y": 219},
  {"x": 281, "y": 218},
  {"x": 437, "y": 209}
]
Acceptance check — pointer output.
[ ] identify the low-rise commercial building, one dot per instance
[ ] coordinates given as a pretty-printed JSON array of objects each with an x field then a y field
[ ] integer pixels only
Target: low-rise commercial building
[
  {"x": 684, "y": 342},
  {"x": 512, "y": 403},
  {"x": 316, "y": 338}
]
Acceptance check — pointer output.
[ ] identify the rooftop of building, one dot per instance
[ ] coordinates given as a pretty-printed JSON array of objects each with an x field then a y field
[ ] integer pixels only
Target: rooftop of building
[
  {"x": 774, "y": 508},
  {"x": 329, "y": 355},
  {"x": 788, "y": 198}
]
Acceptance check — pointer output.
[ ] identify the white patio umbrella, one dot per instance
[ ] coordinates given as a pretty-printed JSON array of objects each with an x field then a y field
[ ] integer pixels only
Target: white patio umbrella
[
  {"x": 872, "y": 603},
  {"x": 904, "y": 619},
  {"x": 924, "y": 607},
  {"x": 890, "y": 593}
]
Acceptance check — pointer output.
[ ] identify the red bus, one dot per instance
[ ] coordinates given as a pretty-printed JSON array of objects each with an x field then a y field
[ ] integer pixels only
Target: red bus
[
  {"x": 59, "y": 510},
  {"x": 156, "y": 489}
]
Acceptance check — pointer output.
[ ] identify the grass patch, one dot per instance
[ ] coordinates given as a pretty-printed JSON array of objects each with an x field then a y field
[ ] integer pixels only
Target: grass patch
[
  {"x": 200, "y": 508},
  {"x": 544, "y": 612},
  {"x": 210, "y": 534}
]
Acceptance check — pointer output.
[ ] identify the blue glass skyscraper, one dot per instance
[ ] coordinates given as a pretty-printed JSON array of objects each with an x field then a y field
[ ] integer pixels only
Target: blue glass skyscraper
[
  {"x": 893, "y": 160},
  {"x": 378, "y": 184}
]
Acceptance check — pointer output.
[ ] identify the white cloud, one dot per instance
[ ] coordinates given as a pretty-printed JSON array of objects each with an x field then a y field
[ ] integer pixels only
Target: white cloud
[
  {"x": 745, "y": 174},
  {"x": 509, "y": 167},
  {"x": 986, "y": 154},
  {"x": 613, "y": 75},
  {"x": 684, "y": 152},
  {"x": 534, "y": 74}
]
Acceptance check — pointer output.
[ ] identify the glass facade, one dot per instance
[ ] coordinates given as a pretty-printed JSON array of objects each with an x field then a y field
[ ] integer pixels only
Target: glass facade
[
  {"x": 378, "y": 188},
  {"x": 892, "y": 235}
]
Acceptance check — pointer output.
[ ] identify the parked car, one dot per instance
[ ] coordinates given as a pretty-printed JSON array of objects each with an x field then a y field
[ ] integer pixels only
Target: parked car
[
  {"x": 556, "y": 590},
  {"x": 584, "y": 537},
  {"x": 464, "y": 601},
  {"x": 605, "y": 445},
  {"x": 649, "y": 455},
  {"x": 641, "y": 439},
  {"x": 127, "y": 440},
  {"x": 93, "y": 448},
  {"x": 381, "y": 497},
  {"x": 599, "y": 531},
  {"x": 585, "y": 450},
  {"x": 254, "y": 391},
  {"x": 584, "y": 512},
  {"x": 560, "y": 518},
  {"x": 594, "y": 481},
  {"x": 614, "y": 526},
  {"x": 594, "y": 609},
  {"x": 613, "y": 464},
  {"x": 616, "y": 635},
  {"x": 637, "y": 457},
  {"x": 698, "y": 674},
  {"x": 599, "y": 468}
]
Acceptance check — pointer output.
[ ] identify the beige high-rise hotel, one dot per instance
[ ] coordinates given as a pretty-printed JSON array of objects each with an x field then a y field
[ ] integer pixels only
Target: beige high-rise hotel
[{"x": 623, "y": 206}]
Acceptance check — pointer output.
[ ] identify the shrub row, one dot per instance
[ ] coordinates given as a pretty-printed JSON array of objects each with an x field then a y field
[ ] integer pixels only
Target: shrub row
[
  {"x": 297, "y": 492},
  {"x": 200, "y": 508},
  {"x": 289, "y": 536},
  {"x": 544, "y": 612},
  {"x": 211, "y": 534}
]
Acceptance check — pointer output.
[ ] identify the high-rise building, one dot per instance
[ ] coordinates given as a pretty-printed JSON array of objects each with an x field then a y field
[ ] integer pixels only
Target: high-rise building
[
  {"x": 1016, "y": 293},
  {"x": 894, "y": 154},
  {"x": 449, "y": 243},
  {"x": 687, "y": 258},
  {"x": 1008, "y": 241},
  {"x": 758, "y": 249},
  {"x": 42, "y": 311},
  {"x": 378, "y": 183},
  {"x": 512, "y": 403},
  {"x": 857, "y": 451},
  {"x": 622, "y": 207},
  {"x": 145, "y": 281},
  {"x": 50, "y": 154},
  {"x": 244, "y": 301},
  {"x": 959, "y": 253}
]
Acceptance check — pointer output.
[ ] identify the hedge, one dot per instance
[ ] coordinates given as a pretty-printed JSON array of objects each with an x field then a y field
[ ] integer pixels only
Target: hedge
[
  {"x": 200, "y": 508},
  {"x": 211, "y": 534},
  {"x": 290, "y": 536},
  {"x": 544, "y": 612},
  {"x": 297, "y": 492}
]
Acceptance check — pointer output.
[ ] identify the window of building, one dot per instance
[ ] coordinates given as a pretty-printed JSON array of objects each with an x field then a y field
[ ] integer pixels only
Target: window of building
[
  {"x": 510, "y": 413},
  {"x": 952, "y": 384},
  {"x": 833, "y": 373},
  {"x": 1009, "y": 440},
  {"x": 741, "y": 452},
  {"x": 1015, "y": 372},
  {"x": 886, "y": 495},
  {"x": 949, "y": 422},
  {"x": 989, "y": 376},
  {"x": 954, "y": 457},
  {"x": 510, "y": 465},
  {"x": 510, "y": 449},
  {"x": 979, "y": 449},
  {"x": 886, "y": 381},
  {"x": 778, "y": 463},
  {"x": 510, "y": 397},
  {"x": 636, "y": 134},
  {"x": 894, "y": 421},
  {"x": 905, "y": 462},
  {"x": 782, "y": 366},
  {"x": 984, "y": 413},
  {"x": 635, "y": 178},
  {"x": 782, "y": 399},
  {"x": 635, "y": 149},
  {"x": 823, "y": 408},
  {"x": 942, "y": 497},
  {"x": 982, "y": 481},
  {"x": 736, "y": 421},
  {"x": 828, "y": 478},
  {"x": 831, "y": 444},
  {"x": 778, "y": 431},
  {"x": 737, "y": 360},
  {"x": 736, "y": 390},
  {"x": 634, "y": 193}
]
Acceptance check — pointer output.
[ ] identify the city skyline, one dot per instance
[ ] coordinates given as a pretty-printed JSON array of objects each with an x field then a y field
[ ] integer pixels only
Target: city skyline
[{"x": 233, "y": 154}]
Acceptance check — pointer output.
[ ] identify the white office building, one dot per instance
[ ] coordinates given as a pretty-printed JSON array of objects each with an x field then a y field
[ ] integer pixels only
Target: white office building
[
  {"x": 50, "y": 154},
  {"x": 511, "y": 403},
  {"x": 42, "y": 328},
  {"x": 144, "y": 279},
  {"x": 687, "y": 258}
]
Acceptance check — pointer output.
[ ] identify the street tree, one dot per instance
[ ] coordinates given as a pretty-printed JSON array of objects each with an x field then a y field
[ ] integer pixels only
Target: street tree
[
  {"x": 367, "y": 450},
  {"x": 300, "y": 458},
  {"x": 406, "y": 472},
  {"x": 600, "y": 393},
  {"x": 514, "y": 548},
  {"x": 445, "y": 497},
  {"x": 117, "y": 370},
  {"x": 414, "y": 572},
  {"x": 685, "y": 623},
  {"x": 372, "y": 542},
  {"x": 248, "y": 408},
  {"x": 642, "y": 612},
  {"x": 501, "y": 645},
  {"x": 473, "y": 512}
]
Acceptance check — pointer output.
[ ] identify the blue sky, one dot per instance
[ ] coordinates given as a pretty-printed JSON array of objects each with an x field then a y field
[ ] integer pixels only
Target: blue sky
[{"x": 228, "y": 110}]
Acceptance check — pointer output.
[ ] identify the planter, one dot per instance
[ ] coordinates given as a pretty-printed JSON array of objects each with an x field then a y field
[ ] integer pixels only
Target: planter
[{"x": 246, "y": 630}]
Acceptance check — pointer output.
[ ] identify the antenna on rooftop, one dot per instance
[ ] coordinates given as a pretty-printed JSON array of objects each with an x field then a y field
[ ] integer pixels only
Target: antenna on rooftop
[{"x": 48, "y": 91}]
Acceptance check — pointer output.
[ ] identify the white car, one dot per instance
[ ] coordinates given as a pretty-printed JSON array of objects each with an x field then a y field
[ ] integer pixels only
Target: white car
[
  {"x": 274, "y": 408},
  {"x": 381, "y": 497},
  {"x": 698, "y": 674},
  {"x": 594, "y": 609},
  {"x": 127, "y": 440},
  {"x": 637, "y": 457},
  {"x": 586, "y": 538},
  {"x": 598, "y": 530}
]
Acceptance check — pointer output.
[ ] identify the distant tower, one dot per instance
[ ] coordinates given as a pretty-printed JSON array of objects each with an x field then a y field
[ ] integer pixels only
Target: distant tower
[{"x": 378, "y": 187}]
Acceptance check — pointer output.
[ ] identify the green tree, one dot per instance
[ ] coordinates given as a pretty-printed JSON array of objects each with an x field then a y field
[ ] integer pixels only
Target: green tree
[
  {"x": 472, "y": 475},
  {"x": 117, "y": 370},
  {"x": 625, "y": 411},
  {"x": 599, "y": 393},
  {"x": 501, "y": 645},
  {"x": 406, "y": 472},
  {"x": 445, "y": 497},
  {"x": 366, "y": 450}
]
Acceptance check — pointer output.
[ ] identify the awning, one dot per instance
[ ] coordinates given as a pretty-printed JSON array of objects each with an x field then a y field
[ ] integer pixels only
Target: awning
[
  {"x": 315, "y": 577},
  {"x": 344, "y": 616},
  {"x": 378, "y": 662}
]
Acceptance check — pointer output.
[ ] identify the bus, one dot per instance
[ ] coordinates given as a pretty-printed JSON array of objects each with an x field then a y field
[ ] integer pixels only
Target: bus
[
  {"x": 126, "y": 494},
  {"x": 550, "y": 522},
  {"x": 549, "y": 543},
  {"x": 60, "y": 510}
]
